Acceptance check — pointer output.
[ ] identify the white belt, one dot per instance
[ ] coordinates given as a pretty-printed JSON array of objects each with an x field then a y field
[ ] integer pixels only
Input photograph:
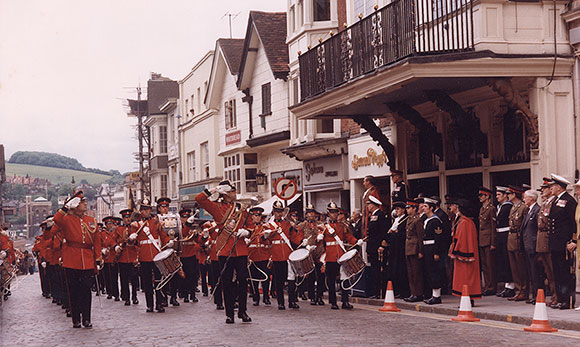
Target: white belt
[
  {"x": 256, "y": 245},
  {"x": 189, "y": 243},
  {"x": 278, "y": 242},
  {"x": 148, "y": 242},
  {"x": 213, "y": 242},
  {"x": 332, "y": 243},
  {"x": 503, "y": 230},
  {"x": 429, "y": 242}
]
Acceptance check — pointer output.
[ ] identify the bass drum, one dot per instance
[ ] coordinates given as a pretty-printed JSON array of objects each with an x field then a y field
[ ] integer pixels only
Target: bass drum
[
  {"x": 352, "y": 263},
  {"x": 7, "y": 272},
  {"x": 301, "y": 262}
]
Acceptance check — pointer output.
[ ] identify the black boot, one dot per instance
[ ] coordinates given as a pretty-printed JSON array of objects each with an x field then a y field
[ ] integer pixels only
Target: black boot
[{"x": 244, "y": 316}]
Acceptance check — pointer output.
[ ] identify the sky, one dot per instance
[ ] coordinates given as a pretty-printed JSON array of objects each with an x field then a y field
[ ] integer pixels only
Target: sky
[{"x": 67, "y": 66}]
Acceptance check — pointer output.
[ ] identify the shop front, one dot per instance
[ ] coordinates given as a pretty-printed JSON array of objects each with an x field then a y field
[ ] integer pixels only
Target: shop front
[
  {"x": 325, "y": 180},
  {"x": 367, "y": 158}
]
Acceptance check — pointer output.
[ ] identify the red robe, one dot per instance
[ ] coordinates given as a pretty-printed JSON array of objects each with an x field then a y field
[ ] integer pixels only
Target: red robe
[{"x": 465, "y": 256}]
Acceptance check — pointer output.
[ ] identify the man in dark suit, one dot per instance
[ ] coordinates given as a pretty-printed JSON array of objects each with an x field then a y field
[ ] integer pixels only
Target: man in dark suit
[
  {"x": 562, "y": 228},
  {"x": 529, "y": 232}
]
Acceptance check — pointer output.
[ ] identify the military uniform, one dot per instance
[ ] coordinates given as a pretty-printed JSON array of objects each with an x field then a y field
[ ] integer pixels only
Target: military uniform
[
  {"x": 487, "y": 232},
  {"x": 562, "y": 229},
  {"x": 127, "y": 259},
  {"x": 233, "y": 254},
  {"x": 515, "y": 250},
  {"x": 433, "y": 246},
  {"x": 150, "y": 238},
  {"x": 543, "y": 255},
  {"x": 315, "y": 279},
  {"x": 376, "y": 235},
  {"x": 502, "y": 263},
  {"x": 414, "y": 247},
  {"x": 259, "y": 255},
  {"x": 80, "y": 255}
]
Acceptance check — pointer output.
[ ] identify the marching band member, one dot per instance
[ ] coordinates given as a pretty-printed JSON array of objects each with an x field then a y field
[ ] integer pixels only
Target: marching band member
[
  {"x": 126, "y": 254},
  {"x": 81, "y": 255},
  {"x": 214, "y": 266},
  {"x": 282, "y": 236},
  {"x": 188, "y": 256},
  {"x": 231, "y": 218},
  {"x": 150, "y": 237},
  {"x": 171, "y": 226},
  {"x": 334, "y": 235},
  {"x": 259, "y": 254},
  {"x": 111, "y": 271},
  {"x": 309, "y": 230}
]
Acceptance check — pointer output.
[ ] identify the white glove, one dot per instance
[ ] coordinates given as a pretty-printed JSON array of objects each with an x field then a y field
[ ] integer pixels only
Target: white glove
[
  {"x": 320, "y": 237},
  {"x": 243, "y": 233},
  {"x": 359, "y": 242},
  {"x": 310, "y": 248},
  {"x": 267, "y": 233},
  {"x": 248, "y": 241},
  {"x": 170, "y": 244},
  {"x": 105, "y": 251},
  {"x": 2, "y": 254},
  {"x": 133, "y": 237},
  {"x": 50, "y": 223},
  {"x": 73, "y": 203},
  {"x": 223, "y": 189},
  {"x": 118, "y": 249},
  {"x": 304, "y": 242},
  {"x": 43, "y": 264},
  {"x": 191, "y": 220}
]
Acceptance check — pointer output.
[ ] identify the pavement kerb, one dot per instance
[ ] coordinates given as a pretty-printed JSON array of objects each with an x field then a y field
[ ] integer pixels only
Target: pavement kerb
[{"x": 559, "y": 324}]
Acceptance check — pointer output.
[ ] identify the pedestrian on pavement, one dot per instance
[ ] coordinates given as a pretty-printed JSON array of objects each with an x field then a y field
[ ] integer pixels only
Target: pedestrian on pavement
[{"x": 465, "y": 252}]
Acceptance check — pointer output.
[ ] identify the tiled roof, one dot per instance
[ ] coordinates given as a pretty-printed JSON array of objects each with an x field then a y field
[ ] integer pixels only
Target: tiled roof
[
  {"x": 271, "y": 28},
  {"x": 158, "y": 90},
  {"x": 232, "y": 49}
]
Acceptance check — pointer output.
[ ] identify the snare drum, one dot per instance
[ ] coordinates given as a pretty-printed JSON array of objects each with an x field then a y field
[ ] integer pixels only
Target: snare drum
[
  {"x": 301, "y": 262},
  {"x": 167, "y": 262},
  {"x": 318, "y": 252},
  {"x": 6, "y": 273},
  {"x": 352, "y": 263}
]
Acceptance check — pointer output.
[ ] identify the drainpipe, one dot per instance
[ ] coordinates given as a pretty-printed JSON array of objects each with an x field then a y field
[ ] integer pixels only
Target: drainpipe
[
  {"x": 249, "y": 99},
  {"x": 576, "y": 90}
]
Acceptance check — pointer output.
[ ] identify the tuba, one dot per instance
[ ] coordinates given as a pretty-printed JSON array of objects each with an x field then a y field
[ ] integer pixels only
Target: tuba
[{"x": 230, "y": 225}]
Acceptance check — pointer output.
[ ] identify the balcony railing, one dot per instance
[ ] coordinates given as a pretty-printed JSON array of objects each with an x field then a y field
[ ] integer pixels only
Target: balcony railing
[{"x": 401, "y": 29}]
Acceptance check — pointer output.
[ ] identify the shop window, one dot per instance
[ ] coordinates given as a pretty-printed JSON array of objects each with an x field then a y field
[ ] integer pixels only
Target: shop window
[
  {"x": 251, "y": 184},
  {"x": 466, "y": 186},
  {"x": 250, "y": 158},
  {"x": 321, "y": 10},
  {"x": 505, "y": 178},
  {"x": 426, "y": 186}
]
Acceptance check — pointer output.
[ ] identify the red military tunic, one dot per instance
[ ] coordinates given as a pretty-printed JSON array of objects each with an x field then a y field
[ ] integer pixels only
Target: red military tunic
[
  {"x": 130, "y": 252},
  {"x": 465, "y": 253},
  {"x": 333, "y": 249},
  {"x": 280, "y": 249},
  {"x": 83, "y": 244},
  {"x": 109, "y": 242},
  {"x": 220, "y": 212},
  {"x": 7, "y": 246},
  {"x": 191, "y": 247},
  {"x": 147, "y": 250},
  {"x": 259, "y": 248},
  {"x": 56, "y": 247}
]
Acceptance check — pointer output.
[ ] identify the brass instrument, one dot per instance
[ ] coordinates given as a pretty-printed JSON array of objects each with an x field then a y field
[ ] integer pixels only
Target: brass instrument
[{"x": 230, "y": 225}]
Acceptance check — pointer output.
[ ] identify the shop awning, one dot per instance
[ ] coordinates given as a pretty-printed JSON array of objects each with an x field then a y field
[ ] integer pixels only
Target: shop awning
[
  {"x": 324, "y": 186},
  {"x": 267, "y": 204}
]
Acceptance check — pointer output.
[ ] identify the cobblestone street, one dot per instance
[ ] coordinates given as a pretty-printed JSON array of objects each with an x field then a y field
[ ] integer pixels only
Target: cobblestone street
[{"x": 27, "y": 319}]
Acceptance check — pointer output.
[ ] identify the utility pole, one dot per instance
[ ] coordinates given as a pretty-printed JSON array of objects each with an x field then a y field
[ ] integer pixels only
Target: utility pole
[
  {"x": 140, "y": 136},
  {"x": 28, "y": 201}
]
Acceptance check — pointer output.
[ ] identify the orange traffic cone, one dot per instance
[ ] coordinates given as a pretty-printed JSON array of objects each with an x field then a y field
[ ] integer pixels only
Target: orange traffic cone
[
  {"x": 389, "y": 304},
  {"x": 465, "y": 313},
  {"x": 540, "y": 323}
]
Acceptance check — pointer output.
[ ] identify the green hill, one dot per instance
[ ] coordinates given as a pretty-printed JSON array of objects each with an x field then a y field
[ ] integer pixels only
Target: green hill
[{"x": 55, "y": 175}]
